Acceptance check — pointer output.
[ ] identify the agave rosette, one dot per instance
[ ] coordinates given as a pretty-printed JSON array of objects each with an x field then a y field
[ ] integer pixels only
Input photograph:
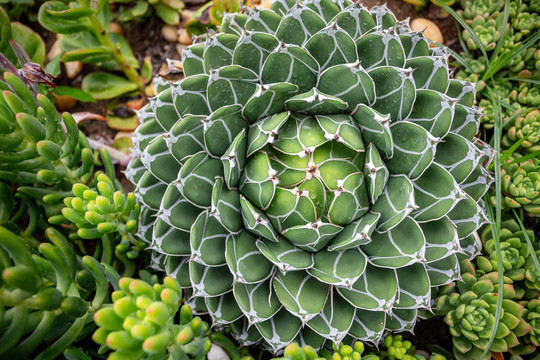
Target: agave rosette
[{"x": 314, "y": 175}]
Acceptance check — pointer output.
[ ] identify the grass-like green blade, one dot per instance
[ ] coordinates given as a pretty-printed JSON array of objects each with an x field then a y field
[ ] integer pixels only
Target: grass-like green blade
[{"x": 529, "y": 242}]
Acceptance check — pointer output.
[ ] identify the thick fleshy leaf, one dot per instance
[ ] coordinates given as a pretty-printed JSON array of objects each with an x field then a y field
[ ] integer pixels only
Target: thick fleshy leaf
[
  {"x": 221, "y": 127},
  {"x": 436, "y": 193},
  {"x": 383, "y": 17},
  {"x": 226, "y": 206},
  {"x": 210, "y": 280},
  {"x": 380, "y": 48},
  {"x": 376, "y": 173},
  {"x": 248, "y": 265},
  {"x": 351, "y": 193},
  {"x": 430, "y": 72},
  {"x": 230, "y": 85},
  {"x": 395, "y": 91},
  {"x": 414, "y": 44},
  {"x": 414, "y": 149},
  {"x": 395, "y": 203},
  {"x": 301, "y": 294},
  {"x": 253, "y": 48},
  {"x": 468, "y": 216},
  {"x": 397, "y": 247},
  {"x": 340, "y": 268},
  {"x": 332, "y": 46},
  {"x": 262, "y": 20},
  {"x": 335, "y": 320},
  {"x": 314, "y": 102},
  {"x": 268, "y": 100},
  {"x": 375, "y": 129},
  {"x": 376, "y": 289},
  {"x": 208, "y": 238},
  {"x": 234, "y": 160},
  {"x": 258, "y": 182},
  {"x": 223, "y": 309},
  {"x": 464, "y": 91},
  {"x": 441, "y": 238},
  {"x": 218, "y": 50},
  {"x": 349, "y": 82},
  {"x": 189, "y": 96},
  {"x": 327, "y": 9},
  {"x": 368, "y": 325},
  {"x": 433, "y": 111},
  {"x": 443, "y": 271},
  {"x": 186, "y": 138},
  {"x": 355, "y": 20},
  {"x": 414, "y": 287},
  {"x": 256, "y": 221},
  {"x": 258, "y": 301},
  {"x": 263, "y": 132},
  {"x": 466, "y": 121},
  {"x": 356, "y": 233},
  {"x": 299, "y": 25},
  {"x": 178, "y": 268},
  {"x": 291, "y": 64},
  {"x": 150, "y": 190},
  {"x": 478, "y": 183},
  {"x": 280, "y": 330},
  {"x": 285, "y": 256},
  {"x": 192, "y": 60},
  {"x": 196, "y": 178},
  {"x": 401, "y": 319},
  {"x": 164, "y": 109},
  {"x": 159, "y": 161},
  {"x": 176, "y": 210},
  {"x": 457, "y": 155},
  {"x": 312, "y": 236}
]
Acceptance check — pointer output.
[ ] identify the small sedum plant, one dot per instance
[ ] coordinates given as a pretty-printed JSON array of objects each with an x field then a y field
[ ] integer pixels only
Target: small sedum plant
[{"x": 314, "y": 160}]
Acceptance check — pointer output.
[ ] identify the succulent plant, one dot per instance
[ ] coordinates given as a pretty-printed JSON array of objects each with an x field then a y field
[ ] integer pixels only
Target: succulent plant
[
  {"x": 484, "y": 8},
  {"x": 526, "y": 94},
  {"x": 41, "y": 296},
  {"x": 527, "y": 127},
  {"x": 513, "y": 247},
  {"x": 140, "y": 323},
  {"x": 486, "y": 30},
  {"x": 303, "y": 172},
  {"x": 532, "y": 278},
  {"x": 167, "y": 10},
  {"x": 521, "y": 184},
  {"x": 470, "y": 314},
  {"x": 532, "y": 315}
]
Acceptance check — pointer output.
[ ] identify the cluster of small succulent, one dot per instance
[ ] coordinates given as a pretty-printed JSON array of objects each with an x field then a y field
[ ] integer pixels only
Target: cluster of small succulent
[
  {"x": 140, "y": 323},
  {"x": 166, "y": 10}
]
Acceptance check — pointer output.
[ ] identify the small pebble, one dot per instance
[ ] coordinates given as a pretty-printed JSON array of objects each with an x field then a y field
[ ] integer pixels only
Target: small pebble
[
  {"x": 65, "y": 102},
  {"x": 186, "y": 15},
  {"x": 169, "y": 33},
  {"x": 432, "y": 31},
  {"x": 184, "y": 37},
  {"x": 116, "y": 28},
  {"x": 73, "y": 68},
  {"x": 267, "y": 4},
  {"x": 179, "y": 48},
  {"x": 217, "y": 353},
  {"x": 54, "y": 51}
]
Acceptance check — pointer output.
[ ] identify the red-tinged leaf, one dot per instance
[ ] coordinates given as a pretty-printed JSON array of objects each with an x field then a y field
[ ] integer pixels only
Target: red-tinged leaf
[
  {"x": 82, "y": 116},
  {"x": 123, "y": 124}
]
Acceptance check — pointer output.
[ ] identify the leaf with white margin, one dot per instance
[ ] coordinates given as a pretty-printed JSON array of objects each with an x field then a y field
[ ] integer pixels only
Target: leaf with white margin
[
  {"x": 223, "y": 309},
  {"x": 441, "y": 238},
  {"x": 244, "y": 333},
  {"x": 368, "y": 325},
  {"x": 226, "y": 207},
  {"x": 221, "y": 127},
  {"x": 332, "y": 46},
  {"x": 135, "y": 170},
  {"x": 341, "y": 128},
  {"x": 351, "y": 193},
  {"x": 327, "y": 9},
  {"x": 306, "y": 336},
  {"x": 248, "y": 265},
  {"x": 233, "y": 23},
  {"x": 398, "y": 247},
  {"x": 268, "y": 100},
  {"x": 263, "y": 132},
  {"x": 146, "y": 223},
  {"x": 149, "y": 129},
  {"x": 375, "y": 129},
  {"x": 234, "y": 160},
  {"x": 176, "y": 210},
  {"x": 443, "y": 271},
  {"x": 186, "y": 138},
  {"x": 312, "y": 236},
  {"x": 257, "y": 301},
  {"x": 253, "y": 48},
  {"x": 263, "y": 20},
  {"x": 355, "y": 20},
  {"x": 210, "y": 280},
  {"x": 189, "y": 95},
  {"x": 230, "y": 85},
  {"x": 376, "y": 289},
  {"x": 315, "y": 102},
  {"x": 150, "y": 190},
  {"x": 468, "y": 216},
  {"x": 290, "y": 64},
  {"x": 414, "y": 44},
  {"x": 464, "y": 91},
  {"x": 356, "y": 233},
  {"x": 301, "y": 294},
  {"x": 178, "y": 268},
  {"x": 196, "y": 178},
  {"x": 258, "y": 181},
  {"x": 349, "y": 82},
  {"x": 436, "y": 193},
  {"x": 376, "y": 173},
  {"x": 395, "y": 203},
  {"x": 414, "y": 287},
  {"x": 466, "y": 121},
  {"x": 457, "y": 155},
  {"x": 430, "y": 72},
  {"x": 285, "y": 256},
  {"x": 208, "y": 241},
  {"x": 298, "y": 25},
  {"x": 159, "y": 161},
  {"x": 471, "y": 246},
  {"x": 192, "y": 60},
  {"x": 167, "y": 239},
  {"x": 414, "y": 149},
  {"x": 218, "y": 50},
  {"x": 280, "y": 330},
  {"x": 335, "y": 320},
  {"x": 433, "y": 111},
  {"x": 380, "y": 48},
  {"x": 383, "y": 17},
  {"x": 341, "y": 268},
  {"x": 256, "y": 221},
  {"x": 401, "y": 319},
  {"x": 395, "y": 91},
  {"x": 164, "y": 109}
]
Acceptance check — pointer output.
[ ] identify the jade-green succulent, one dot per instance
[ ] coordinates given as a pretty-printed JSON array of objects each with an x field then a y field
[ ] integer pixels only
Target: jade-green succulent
[
  {"x": 470, "y": 314},
  {"x": 314, "y": 160},
  {"x": 521, "y": 184},
  {"x": 486, "y": 31},
  {"x": 484, "y": 8},
  {"x": 141, "y": 323},
  {"x": 526, "y": 127}
]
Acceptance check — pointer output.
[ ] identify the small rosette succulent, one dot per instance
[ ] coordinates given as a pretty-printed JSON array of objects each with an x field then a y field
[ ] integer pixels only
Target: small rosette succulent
[
  {"x": 140, "y": 323},
  {"x": 341, "y": 351},
  {"x": 521, "y": 184},
  {"x": 484, "y": 8},
  {"x": 513, "y": 247},
  {"x": 470, "y": 315},
  {"x": 486, "y": 31},
  {"x": 315, "y": 158},
  {"x": 527, "y": 127}
]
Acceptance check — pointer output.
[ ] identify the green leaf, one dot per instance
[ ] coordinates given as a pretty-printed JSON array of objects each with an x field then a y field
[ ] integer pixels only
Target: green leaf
[
  {"x": 48, "y": 19},
  {"x": 103, "y": 86},
  {"x": 30, "y": 41},
  {"x": 73, "y": 92}
]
